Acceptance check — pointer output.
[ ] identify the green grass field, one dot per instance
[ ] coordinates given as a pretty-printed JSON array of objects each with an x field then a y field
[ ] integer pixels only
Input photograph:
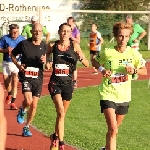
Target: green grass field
[{"x": 85, "y": 126}]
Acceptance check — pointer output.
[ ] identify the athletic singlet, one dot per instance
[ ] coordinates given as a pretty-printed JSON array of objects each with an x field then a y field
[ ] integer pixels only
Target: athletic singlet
[
  {"x": 31, "y": 55},
  {"x": 7, "y": 41},
  {"x": 94, "y": 40},
  {"x": 64, "y": 64}
]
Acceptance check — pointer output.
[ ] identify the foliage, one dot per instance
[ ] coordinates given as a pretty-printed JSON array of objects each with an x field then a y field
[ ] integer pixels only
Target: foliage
[
  {"x": 106, "y": 21},
  {"x": 85, "y": 127}
]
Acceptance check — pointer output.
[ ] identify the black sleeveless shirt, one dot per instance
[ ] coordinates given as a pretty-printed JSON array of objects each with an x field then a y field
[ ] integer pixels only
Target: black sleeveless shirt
[
  {"x": 31, "y": 55},
  {"x": 64, "y": 64}
]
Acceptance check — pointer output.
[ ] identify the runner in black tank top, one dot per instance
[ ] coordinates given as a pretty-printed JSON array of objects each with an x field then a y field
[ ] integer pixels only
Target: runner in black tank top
[
  {"x": 33, "y": 52},
  {"x": 65, "y": 56},
  {"x": 64, "y": 64}
]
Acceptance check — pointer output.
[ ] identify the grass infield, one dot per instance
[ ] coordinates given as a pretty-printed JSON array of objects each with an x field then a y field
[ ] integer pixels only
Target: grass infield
[{"x": 85, "y": 126}]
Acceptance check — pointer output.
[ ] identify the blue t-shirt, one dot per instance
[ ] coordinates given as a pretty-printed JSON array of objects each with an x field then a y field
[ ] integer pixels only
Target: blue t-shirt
[{"x": 7, "y": 41}]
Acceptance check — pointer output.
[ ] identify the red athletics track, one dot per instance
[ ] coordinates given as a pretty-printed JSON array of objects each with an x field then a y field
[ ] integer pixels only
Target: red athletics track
[{"x": 39, "y": 141}]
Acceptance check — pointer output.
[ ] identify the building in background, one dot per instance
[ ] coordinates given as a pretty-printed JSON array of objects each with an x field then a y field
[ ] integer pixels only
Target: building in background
[{"x": 19, "y": 12}]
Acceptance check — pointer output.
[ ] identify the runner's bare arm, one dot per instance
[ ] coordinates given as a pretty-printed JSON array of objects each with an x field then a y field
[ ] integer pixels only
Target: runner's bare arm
[
  {"x": 50, "y": 48},
  {"x": 14, "y": 59},
  {"x": 47, "y": 37},
  {"x": 141, "y": 71},
  {"x": 2, "y": 120},
  {"x": 100, "y": 68},
  {"x": 82, "y": 58},
  {"x": 6, "y": 50},
  {"x": 20, "y": 67},
  {"x": 95, "y": 64},
  {"x": 77, "y": 38}
]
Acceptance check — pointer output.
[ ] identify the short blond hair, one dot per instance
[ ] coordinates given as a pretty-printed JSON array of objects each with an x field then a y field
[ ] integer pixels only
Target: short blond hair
[{"x": 121, "y": 25}]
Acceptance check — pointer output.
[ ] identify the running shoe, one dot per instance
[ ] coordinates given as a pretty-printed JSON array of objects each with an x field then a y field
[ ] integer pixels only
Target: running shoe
[
  {"x": 13, "y": 106},
  {"x": 94, "y": 72},
  {"x": 8, "y": 99},
  {"x": 102, "y": 148},
  {"x": 20, "y": 116},
  {"x": 26, "y": 132},
  {"x": 61, "y": 147},
  {"x": 54, "y": 142}
]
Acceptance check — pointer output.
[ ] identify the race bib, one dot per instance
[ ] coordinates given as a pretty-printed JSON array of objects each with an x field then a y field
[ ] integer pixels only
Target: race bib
[
  {"x": 31, "y": 72},
  {"x": 61, "y": 70},
  {"x": 118, "y": 78}
]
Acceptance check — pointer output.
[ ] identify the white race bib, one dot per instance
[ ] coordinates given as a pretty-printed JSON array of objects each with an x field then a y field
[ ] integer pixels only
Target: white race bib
[
  {"x": 31, "y": 72},
  {"x": 61, "y": 70}
]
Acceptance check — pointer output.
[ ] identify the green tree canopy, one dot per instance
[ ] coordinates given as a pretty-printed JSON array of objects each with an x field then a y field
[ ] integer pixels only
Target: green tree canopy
[{"x": 105, "y": 21}]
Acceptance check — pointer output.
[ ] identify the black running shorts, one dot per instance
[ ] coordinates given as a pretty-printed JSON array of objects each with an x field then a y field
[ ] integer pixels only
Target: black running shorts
[
  {"x": 94, "y": 52},
  {"x": 65, "y": 91},
  {"x": 35, "y": 89},
  {"x": 120, "y": 108}
]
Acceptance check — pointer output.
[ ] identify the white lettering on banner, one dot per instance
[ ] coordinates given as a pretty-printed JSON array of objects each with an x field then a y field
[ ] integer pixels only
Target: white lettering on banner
[
  {"x": 31, "y": 72},
  {"x": 21, "y": 7},
  {"x": 21, "y": 11},
  {"x": 61, "y": 70},
  {"x": 20, "y": 18}
]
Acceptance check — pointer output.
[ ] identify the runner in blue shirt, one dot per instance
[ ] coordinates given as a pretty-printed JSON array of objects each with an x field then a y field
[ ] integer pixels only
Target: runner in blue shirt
[{"x": 10, "y": 71}]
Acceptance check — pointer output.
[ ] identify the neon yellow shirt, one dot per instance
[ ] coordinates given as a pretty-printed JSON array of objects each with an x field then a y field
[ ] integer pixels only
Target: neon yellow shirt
[
  {"x": 117, "y": 87},
  {"x": 27, "y": 31}
]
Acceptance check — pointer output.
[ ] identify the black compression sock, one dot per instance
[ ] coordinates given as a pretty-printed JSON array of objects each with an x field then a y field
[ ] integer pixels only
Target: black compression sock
[
  {"x": 9, "y": 93},
  {"x": 13, "y": 100},
  {"x": 61, "y": 143},
  {"x": 55, "y": 137}
]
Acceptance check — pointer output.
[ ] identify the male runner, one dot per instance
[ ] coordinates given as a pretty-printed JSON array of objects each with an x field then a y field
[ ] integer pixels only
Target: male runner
[
  {"x": 33, "y": 52},
  {"x": 10, "y": 71}
]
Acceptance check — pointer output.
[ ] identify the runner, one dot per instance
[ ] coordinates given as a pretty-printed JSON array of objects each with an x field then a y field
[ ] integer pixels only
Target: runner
[
  {"x": 138, "y": 34},
  {"x": 33, "y": 52},
  {"x": 2, "y": 120},
  {"x": 136, "y": 37},
  {"x": 119, "y": 63},
  {"x": 65, "y": 56},
  {"x": 27, "y": 29},
  {"x": 95, "y": 44},
  {"x": 10, "y": 71},
  {"x": 75, "y": 36}
]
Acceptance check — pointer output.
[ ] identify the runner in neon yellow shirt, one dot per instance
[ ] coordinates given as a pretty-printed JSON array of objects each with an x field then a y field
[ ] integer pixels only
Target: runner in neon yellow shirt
[
  {"x": 117, "y": 65},
  {"x": 27, "y": 29}
]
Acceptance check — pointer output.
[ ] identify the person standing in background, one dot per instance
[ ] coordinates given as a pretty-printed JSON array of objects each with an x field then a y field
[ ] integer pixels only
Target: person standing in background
[
  {"x": 10, "y": 71},
  {"x": 137, "y": 35},
  {"x": 75, "y": 36},
  {"x": 27, "y": 29},
  {"x": 95, "y": 44}
]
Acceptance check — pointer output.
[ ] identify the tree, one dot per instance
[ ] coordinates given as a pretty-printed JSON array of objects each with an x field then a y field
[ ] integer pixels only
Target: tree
[{"x": 105, "y": 21}]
